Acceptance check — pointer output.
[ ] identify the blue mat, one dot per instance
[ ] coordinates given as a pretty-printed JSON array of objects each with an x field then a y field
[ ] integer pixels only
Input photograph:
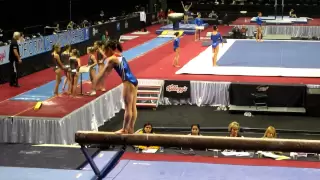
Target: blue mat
[
  {"x": 45, "y": 91},
  {"x": 159, "y": 170},
  {"x": 182, "y": 26},
  {"x": 285, "y": 54}
]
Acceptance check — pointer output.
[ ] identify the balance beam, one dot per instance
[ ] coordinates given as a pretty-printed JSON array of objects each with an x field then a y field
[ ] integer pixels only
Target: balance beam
[{"x": 198, "y": 142}]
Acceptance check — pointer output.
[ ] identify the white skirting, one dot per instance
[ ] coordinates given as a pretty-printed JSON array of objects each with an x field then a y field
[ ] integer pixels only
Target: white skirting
[
  {"x": 61, "y": 131},
  {"x": 293, "y": 31}
]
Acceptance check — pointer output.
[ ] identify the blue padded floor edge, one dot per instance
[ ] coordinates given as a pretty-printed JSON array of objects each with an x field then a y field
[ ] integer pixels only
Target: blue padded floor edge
[
  {"x": 281, "y": 54},
  {"x": 45, "y": 91},
  {"x": 159, "y": 170}
]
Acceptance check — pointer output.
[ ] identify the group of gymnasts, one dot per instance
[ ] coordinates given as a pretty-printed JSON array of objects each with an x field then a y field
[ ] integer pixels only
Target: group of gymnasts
[
  {"x": 107, "y": 56},
  {"x": 68, "y": 63}
]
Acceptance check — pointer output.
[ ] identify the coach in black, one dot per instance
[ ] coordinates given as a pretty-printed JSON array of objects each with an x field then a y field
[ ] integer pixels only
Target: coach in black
[{"x": 15, "y": 59}]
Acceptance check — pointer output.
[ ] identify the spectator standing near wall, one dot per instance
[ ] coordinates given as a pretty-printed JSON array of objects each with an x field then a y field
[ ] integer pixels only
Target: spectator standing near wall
[
  {"x": 143, "y": 20},
  {"x": 15, "y": 59}
]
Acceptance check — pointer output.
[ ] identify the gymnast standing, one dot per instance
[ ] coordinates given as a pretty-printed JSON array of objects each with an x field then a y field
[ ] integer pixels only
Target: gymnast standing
[
  {"x": 199, "y": 23},
  {"x": 259, "y": 27},
  {"x": 186, "y": 12},
  {"x": 176, "y": 49},
  {"x": 98, "y": 45},
  {"x": 65, "y": 55},
  {"x": 92, "y": 62},
  {"x": 115, "y": 60},
  {"x": 75, "y": 64},
  {"x": 216, "y": 38},
  {"x": 58, "y": 67}
]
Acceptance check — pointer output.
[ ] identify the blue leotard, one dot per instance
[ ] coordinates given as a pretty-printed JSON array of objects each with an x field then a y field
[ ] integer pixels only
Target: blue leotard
[
  {"x": 216, "y": 39},
  {"x": 124, "y": 71},
  {"x": 259, "y": 21},
  {"x": 198, "y": 21},
  {"x": 176, "y": 43}
]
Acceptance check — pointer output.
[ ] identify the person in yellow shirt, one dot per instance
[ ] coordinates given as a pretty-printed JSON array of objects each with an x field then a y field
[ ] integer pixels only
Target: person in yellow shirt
[{"x": 147, "y": 129}]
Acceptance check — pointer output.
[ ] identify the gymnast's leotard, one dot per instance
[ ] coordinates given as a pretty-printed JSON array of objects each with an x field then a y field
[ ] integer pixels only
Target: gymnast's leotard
[
  {"x": 259, "y": 21},
  {"x": 74, "y": 66},
  {"x": 55, "y": 63},
  {"x": 186, "y": 12},
  {"x": 176, "y": 44},
  {"x": 90, "y": 61},
  {"x": 198, "y": 21},
  {"x": 124, "y": 71},
  {"x": 216, "y": 39},
  {"x": 99, "y": 57}
]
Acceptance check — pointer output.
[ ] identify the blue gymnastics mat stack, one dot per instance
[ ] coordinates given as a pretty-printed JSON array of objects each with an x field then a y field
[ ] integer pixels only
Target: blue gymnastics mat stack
[{"x": 188, "y": 29}]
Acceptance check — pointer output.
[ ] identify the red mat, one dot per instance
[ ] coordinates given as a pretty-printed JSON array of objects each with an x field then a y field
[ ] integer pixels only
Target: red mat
[{"x": 223, "y": 160}]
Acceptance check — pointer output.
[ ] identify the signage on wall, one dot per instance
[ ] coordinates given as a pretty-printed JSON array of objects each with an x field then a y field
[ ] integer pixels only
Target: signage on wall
[
  {"x": 177, "y": 89},
  {"x": 44, "y": 44}
]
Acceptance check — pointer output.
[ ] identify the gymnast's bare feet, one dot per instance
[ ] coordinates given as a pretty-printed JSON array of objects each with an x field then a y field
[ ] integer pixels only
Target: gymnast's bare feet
[
  {"x": 122, "y": 131},
  {"x": 131, "y": 131}
]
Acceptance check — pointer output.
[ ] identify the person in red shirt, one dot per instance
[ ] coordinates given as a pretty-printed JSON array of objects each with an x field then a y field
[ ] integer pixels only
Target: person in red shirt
[
  {"x": 161, "y": 16},
  {"x": 169, "y": 12}
]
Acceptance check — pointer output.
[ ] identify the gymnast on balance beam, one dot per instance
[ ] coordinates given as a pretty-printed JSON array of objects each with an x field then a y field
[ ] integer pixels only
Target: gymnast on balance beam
[{"x": 115, "y": 60}]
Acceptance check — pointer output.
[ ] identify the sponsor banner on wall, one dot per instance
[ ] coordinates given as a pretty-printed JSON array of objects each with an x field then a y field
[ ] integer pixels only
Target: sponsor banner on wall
[
  {"x": 44, "y": 44},
  {"x": 4, "y": 54},
  {"x": 177, "y": 89}
]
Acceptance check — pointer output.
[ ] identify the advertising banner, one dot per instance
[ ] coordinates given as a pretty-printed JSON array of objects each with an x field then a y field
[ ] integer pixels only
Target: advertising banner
[
  {"x": 4, "y": 54},
  {"x": 177, "y": 89},
  {"x": 44, "y": 44}
]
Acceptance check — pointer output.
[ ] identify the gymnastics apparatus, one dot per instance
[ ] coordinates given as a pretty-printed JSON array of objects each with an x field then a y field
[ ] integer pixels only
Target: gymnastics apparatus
[{"x": 85, "y": 138}]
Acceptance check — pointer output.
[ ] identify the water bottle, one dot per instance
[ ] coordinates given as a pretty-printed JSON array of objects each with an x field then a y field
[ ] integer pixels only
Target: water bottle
[
  {"x": 161, "y": 149},
  {"x": 215, "y": 153},
  {"x": 137, "y": 149}
]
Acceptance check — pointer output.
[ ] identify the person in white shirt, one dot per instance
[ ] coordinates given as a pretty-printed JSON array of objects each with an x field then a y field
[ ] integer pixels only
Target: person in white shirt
[{"x": 143, "y": 20}]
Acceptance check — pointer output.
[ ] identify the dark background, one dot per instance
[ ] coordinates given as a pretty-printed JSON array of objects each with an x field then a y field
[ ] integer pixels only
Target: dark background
[{"x": 18, "y": 15}]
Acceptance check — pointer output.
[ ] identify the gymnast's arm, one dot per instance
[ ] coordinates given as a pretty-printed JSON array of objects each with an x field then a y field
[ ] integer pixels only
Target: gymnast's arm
[
  {"x": 95, "y": 62},
  {"x": 182, "y": 5},
  {"x": 57, "y": 57},
  {"x": 103, "y": 55},
  {"x": 221, "y": 39},
  {"x": 111, "y": 61},
  {"x": 106, "y": 70},
  {"x": 190, "y": 6}
]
